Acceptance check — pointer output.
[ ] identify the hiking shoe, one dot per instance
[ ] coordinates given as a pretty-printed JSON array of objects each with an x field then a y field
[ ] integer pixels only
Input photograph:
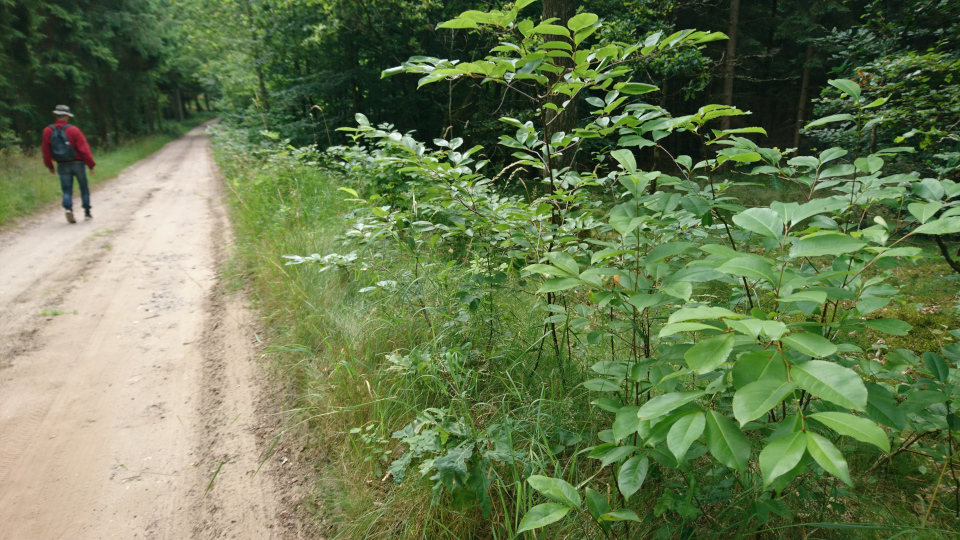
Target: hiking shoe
[
  {"x": 70, "y": 218},
  {"x": 87, "y": 216}
]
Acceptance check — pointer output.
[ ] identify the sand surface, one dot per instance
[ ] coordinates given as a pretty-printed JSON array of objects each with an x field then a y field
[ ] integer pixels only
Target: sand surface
[{"x": 129, "y": 380}]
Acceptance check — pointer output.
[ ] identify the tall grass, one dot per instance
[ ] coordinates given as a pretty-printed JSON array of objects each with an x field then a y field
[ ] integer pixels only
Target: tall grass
[
  {"x": 489, "y": 367},
  {"x": 26, "y": 185}
]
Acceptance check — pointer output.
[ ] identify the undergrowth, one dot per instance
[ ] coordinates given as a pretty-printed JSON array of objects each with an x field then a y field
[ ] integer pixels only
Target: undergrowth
[
  {"x": 618, "y": 353},
  {"x": 348, "y": 350}
]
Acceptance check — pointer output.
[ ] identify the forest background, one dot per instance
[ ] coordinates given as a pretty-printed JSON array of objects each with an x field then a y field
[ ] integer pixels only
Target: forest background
[{"x": 305, "y": 67}]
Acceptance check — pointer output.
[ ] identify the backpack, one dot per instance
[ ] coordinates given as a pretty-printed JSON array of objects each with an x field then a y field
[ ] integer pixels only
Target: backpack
[{"x": 60, "y": 146}]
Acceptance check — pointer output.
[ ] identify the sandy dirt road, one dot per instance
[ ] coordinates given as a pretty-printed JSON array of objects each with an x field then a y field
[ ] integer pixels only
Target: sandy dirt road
[{"x": 127, "y": 374}]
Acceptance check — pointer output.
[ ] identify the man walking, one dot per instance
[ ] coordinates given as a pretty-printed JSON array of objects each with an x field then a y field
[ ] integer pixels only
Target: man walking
[{"x": 66, "y": 145}]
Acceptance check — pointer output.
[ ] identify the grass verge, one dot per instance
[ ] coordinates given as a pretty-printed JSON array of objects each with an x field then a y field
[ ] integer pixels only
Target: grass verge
[{"x": 26, "y": 185}]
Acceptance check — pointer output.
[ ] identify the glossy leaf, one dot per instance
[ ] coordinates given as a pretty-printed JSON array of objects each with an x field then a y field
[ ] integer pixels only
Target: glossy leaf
[
  {"x": 857, "y": 427},
  {"x": 895, "y": 327},
  {"x": 632, "y": 474},
  {"x": 755, "y": 399},
  {"x": 726, "y": 442},
  {"x": 556, "y": 490},
  {"x": 541, "y": 516},
  {"x": 762, "y": 221},
  {"x": 825, "y": 244},
  {"x": 937, "y": 366},
  {"x": 848, "y": 87},
  {"x": 696, "y": 313},
  {"x": 882, "y": 407},
  {"x": 750, "y": 267},
  {"x": 624, "y": 514},
  {"x": 830, "y": 119},
  {"x": 684, "y": 432},
  {"x": 946, "y": 225},
  {"x": 710, "y": 353},
  {"x": 662, "y": 405},
  {"x": 597, "y": 504},
  {"x": 827, "y": 455},
  {"x": 809, "y": 344},
  {"x": 831, "y": 382},
  {"x": 583, "y": 20},
  {"x": 781, "y": 456}
]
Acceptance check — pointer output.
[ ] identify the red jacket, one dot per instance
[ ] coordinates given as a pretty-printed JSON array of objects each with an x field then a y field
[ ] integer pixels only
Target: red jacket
[{"x": 75, "y": 138}]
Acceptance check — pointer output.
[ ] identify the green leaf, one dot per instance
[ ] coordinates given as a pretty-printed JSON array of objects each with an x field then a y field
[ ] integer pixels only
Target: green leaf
[
  {"x": 635, "y": 89},
  {"x": 664, "y": 251},
  {"x": 869, "y": 164},
  {"x": 830, "y": 119},
  {"x": 831, "y": 382},
  {"x": 762, "y": 221},
  {"x": 581, "y": 21},
  {"x": 626, "y": 423},
  {"x": 726, "y": 442},
  {"x": 632, "y": 474},
  {"x": 946, "y": 225},
  {"x": 849, "y": 88},
  {"x": 815, "y": 207},
  {"x": 827, "y": 455},
  {"x": 546, "y": 270},
  {"x": 615, "y": 454},
  {"x": 681, "y": 289},
  {"x": 564, "y": 261},
  {"x": 705, "y": 312},
  {"x": 857, "y": 427},
  {"x": 676, "y": 328},
  {"x": 597, "y": 504},
  {"x": 684, "y": 432},
  {"x": 561, "y": 284},
  {"x": 458, "y": 24},
  {"x": 806, "y": 296},
  {"x": 894, "y": 327},
  {"x": 661, "y": 405},
  {"x": 751, "y": 267},
  {"x": 623, "y": 514},
  {"x": 924, "y": 211},
  {"x": 626, "y": 159},
  {"x": 810, "y": 344},
  {"x": 542, "y": 515},
  {"x": 937, "y": 366},
  {"x": 556, "y": 490},
  {"x": 781, "y": 456},
  {"x": 709, "y": 354},
  {"x": 601, "y": 385},
  {"x": 755, "y": 399},
  {"x": 823, "y": 244},
  {"x": 551, "y": 29},
  {"x": 882, "y": 407}
]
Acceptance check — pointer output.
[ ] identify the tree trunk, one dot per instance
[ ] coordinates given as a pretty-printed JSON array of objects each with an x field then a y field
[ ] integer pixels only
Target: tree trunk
[
  {"x": 256, "y": 57},
  {"x": 206, "y": 101},
  {"x": 730, "y": 60},
  {"x": 179, "y": 106},
  {"x": 804, "y": 88},
  {"x": 566, "y": 120}
]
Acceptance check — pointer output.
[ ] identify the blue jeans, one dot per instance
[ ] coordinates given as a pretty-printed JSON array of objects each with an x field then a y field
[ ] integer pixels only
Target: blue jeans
[{"x": 67, "y": 171}]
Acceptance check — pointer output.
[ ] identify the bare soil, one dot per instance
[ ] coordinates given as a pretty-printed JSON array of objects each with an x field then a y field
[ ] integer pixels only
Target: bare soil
[{"x": 132, "y": 403}]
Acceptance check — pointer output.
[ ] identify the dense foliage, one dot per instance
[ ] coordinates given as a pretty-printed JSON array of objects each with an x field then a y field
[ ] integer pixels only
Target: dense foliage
[
  {"x": 112, "y": 61},
  {"x": 680, "y": 360}
]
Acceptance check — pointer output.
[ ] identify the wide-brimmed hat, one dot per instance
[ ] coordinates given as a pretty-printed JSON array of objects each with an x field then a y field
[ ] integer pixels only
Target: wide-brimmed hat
[{"x": 62, "y": 110}]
